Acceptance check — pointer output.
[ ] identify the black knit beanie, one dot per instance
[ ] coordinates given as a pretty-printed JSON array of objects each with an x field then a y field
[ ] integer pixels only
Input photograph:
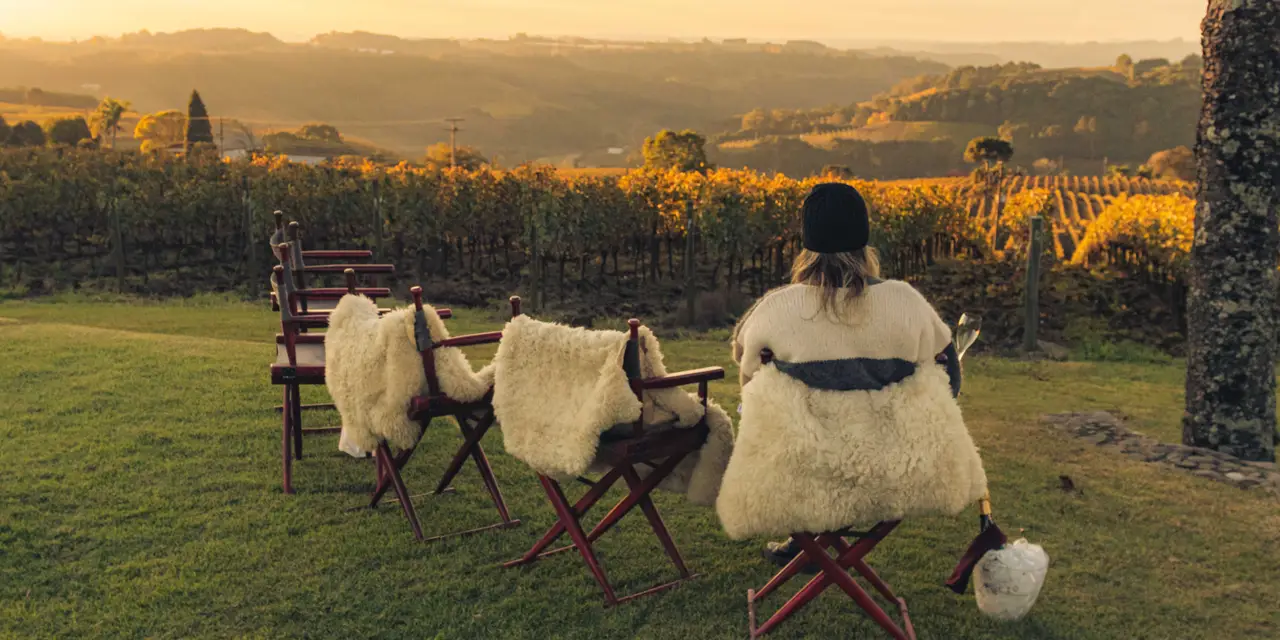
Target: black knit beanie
[{"x": 835, "y": 219}]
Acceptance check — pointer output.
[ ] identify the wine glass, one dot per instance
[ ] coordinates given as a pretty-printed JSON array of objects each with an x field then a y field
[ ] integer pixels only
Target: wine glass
[{"x": 967, "y": 332}]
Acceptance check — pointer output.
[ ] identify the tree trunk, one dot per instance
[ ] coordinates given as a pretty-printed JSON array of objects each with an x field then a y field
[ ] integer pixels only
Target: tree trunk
[{"x": 1231, "y": 401}]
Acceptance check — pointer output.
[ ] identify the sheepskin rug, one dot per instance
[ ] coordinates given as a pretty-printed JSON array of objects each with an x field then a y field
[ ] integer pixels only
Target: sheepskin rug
[
  {"x": 812, "y": 461},
  {"x": 558, "y": 388},
  {"x": 373, "y": 371}
]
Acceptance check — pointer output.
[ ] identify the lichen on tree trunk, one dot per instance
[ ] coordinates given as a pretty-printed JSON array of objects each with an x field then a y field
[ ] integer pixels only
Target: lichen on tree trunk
[{"x": 1232, "y": 325}]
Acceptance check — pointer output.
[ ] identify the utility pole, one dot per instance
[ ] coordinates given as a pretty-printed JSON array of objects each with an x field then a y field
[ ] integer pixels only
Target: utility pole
[
  {"x": 453, "y": 140},
  {"x": 222, "y": 140}
]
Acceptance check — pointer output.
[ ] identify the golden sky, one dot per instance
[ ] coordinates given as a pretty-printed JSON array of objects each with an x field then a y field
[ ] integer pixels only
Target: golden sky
[{"x": 842, "y": 20}]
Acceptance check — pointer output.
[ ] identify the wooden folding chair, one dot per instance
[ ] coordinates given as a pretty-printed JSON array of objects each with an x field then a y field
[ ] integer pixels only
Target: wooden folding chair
[
  {"x": 832, "y": 570},
  {"x": 622, "y": 450},
  {"x": 300, "y": 359},
  {"x": 474, "y": 421},
  {"x": 323, "y": 299},
  {"x": 317, "y": 316}
]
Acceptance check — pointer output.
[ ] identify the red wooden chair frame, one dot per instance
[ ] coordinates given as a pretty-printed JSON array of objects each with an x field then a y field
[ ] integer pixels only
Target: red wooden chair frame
[
  {"x": 297, "y": 261},
  {"x": 832, "y": 570},
  {"x": 292, "y": 372},
  {"x": 474, "y": 421},
  {"x": 662, "y": 451}
]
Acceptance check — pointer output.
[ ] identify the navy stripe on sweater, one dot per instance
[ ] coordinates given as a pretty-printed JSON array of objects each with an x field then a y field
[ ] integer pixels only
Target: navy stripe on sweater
[
  {"x": 863, "y": 374},
  {"x": 850, "y": 374}
]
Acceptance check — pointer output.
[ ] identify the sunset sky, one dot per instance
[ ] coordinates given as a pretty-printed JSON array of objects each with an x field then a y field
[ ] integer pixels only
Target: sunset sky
[{"x": 830, "y": 20}]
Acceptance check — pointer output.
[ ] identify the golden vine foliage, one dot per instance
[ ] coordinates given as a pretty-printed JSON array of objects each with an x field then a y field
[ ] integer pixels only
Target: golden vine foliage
[
  {"x": 1154, "y": 232},
  {"x": 59, "y": 210}
]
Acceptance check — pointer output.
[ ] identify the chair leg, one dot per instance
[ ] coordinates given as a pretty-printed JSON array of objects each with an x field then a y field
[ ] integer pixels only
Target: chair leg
[
  {"x": 286, "y": 428},
  {"x": 580, "y": 508},
  {"x": 655, "y": 520},
  {"x": 574, "y": 527},
  {"x": 384, "y": 479},
  {"x": 804, "y": 596},
  {"x": 847, "y": 555},
  {"x": 389, "y": 468},
  {"x": 297, "y": 422},
  {"x": 835, "y": 572},
  {"x": 477, "y": 434},
  {"x": 471, "y": 438}
]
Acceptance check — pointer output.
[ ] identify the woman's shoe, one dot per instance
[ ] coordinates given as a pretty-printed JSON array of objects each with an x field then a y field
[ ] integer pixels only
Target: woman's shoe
[{"x": 782, "y": 553}]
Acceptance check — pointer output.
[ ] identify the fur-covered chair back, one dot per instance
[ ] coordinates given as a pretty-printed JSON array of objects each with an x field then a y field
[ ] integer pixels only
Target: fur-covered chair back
[
  {"x": 559, "y": 389},
  {"x": 375, "y": 369}
]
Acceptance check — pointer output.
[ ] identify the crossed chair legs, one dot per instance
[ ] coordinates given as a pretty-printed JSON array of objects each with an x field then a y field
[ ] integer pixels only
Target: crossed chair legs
[
  {"x": 834, "y": 571},
  {"x": 569, "y": 520},
  {"x": 474, "y": 426}
]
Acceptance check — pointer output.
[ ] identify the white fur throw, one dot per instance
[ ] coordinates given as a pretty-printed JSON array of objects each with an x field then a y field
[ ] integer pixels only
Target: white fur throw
[
  {"x": 813, "y": 461},
  {"x": 373, "y": 371},
  {"x": 557, "y": 389}
]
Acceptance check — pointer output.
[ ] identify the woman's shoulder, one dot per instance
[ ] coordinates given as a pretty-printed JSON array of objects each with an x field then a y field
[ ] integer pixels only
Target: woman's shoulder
[
  {"x": 780, "y": 295},
  {"x": 896, "y": 288},
  {"x": 765, "y": 305}
]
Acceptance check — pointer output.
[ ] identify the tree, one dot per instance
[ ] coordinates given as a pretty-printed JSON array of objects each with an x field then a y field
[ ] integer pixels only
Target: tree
[
  {"x": 1124, "y": 64},
  {"x": 67, "y": 131},
  {"x": 106, "y": 119},
  {"x": 199, "y": 129},
  {"x": 1088, "y": 126},
  {"x": 160, "y": 130},
  {"x": 469, "y": 158},
  {"x": 987, "y": 150},
  {"x": 1045, "y": 166},
  {"x": 1178, "y": 163},
  {"x": 1231, "y": 313},
  {"x": 320, "y": 131},
  {"x": 684, "y": 151},
  {"x": 837, "y": 171},
  {"x": 755, "y": 120},
  {"x": 5, "y": 130},
  {"x": 26, "y": 134},
  {"x": 1119, "y": 170},
  {"x": 247, "y": 138}
]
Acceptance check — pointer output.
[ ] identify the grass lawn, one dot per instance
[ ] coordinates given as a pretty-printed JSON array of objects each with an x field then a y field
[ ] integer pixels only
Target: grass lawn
[{"x": 140, "y": 497}]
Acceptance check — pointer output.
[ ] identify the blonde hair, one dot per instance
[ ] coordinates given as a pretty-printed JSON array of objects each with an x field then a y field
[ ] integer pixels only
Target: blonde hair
[{"x": 831, "y": 272}]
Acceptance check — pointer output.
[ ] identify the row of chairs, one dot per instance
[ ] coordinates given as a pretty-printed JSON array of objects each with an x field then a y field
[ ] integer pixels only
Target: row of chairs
[{"x": 300, "y": 361}]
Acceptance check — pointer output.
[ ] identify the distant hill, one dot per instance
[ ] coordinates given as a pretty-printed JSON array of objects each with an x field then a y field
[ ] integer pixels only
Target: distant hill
[
  {"x": 1045, "y": 54},
  {"x": 1072, "y": 117},
  {"x": 522, "y": 98}
]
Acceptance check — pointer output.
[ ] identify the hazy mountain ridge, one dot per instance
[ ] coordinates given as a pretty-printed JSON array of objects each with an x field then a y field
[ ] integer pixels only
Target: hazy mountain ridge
[{"x": 518, "y": 107}]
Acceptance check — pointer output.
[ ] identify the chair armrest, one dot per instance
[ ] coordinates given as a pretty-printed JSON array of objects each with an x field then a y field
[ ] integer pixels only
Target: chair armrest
[
  {"x": 693, "y": 376},
  {"x": 358, "y": 268},
  {"x": 337, "y": 294},
  {"x": 492, "y": 337},
  {"x": 338, "y": 254},
  {"x": 444, "y": 314}
]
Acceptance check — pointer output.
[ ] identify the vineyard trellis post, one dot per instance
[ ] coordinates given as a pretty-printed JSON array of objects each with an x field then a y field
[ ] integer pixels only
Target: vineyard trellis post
[
  {"x": 690, "y": 270},
  {"x": 378, "y": 224},
  {"x": 117, "y": 238},
  {"x": 251, "y": 245},
  {"x": 1032, "y": 291}
]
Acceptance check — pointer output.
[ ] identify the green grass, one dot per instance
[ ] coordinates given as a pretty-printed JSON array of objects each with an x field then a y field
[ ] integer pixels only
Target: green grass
[{"x": 139, "y": 497}]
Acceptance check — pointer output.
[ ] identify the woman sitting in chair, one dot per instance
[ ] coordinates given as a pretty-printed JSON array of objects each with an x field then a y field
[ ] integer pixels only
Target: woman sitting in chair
[{"x": 839, "y": 327}]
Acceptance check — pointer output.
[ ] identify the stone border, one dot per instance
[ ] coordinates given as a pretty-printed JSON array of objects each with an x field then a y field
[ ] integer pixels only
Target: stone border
[{"x": 1105, "y": 430}]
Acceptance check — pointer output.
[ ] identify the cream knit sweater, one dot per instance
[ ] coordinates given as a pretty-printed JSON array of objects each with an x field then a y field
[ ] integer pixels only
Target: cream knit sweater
[{"x": 889, "y": 320}]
